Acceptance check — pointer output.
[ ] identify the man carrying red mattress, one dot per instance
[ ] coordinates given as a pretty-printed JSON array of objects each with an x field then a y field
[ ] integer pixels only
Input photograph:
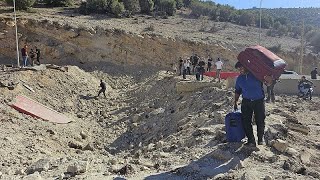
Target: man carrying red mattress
[{"x": 252, "y": 93}]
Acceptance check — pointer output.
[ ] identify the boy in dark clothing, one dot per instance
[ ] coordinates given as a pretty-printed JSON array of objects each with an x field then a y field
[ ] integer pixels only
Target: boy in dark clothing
[
  {"x": 314, "y": 73},
  {"x": 252, "y": 93},
  {"x": 38, "y": 55},
  {"x": 32, "y": 56},
  {"x": 209, "y": 64},
  {"x": 194, "y": 62},
  {"x": 103, "y": 88}
]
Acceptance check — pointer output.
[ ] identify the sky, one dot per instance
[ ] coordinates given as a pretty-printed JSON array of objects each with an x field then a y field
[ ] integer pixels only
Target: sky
[{"x": 245, "y": 4}]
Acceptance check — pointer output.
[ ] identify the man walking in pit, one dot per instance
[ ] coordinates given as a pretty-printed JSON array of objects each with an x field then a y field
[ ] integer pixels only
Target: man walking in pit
[
  {"x": 252, "y": 93},
  {"x": 103, "y": 88},
  {"x": 219, "y": 65}
]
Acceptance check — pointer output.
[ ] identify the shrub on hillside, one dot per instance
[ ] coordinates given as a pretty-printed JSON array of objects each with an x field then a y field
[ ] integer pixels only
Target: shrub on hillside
[
  {"x": 146, "y": 6},
  {"x": 21, "y": 4},
  {"x": 276, "y": 48},
  {"x": 187, "y": 3},
  {"x": 179, "y": 4},
  {"x": 131, "y": 5},
  {"x": 116, "y": 8},
  {"x": 94, "y": 6},
  {"x": 57, "y": 3},
  {"x": 315, "y": 41},
  {"x": 203, "y": 9},
  {"x": 168, "y": 6}
]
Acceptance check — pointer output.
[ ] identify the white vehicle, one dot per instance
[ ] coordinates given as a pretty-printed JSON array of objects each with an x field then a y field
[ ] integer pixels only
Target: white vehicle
[{"x": 289, "y": 75}]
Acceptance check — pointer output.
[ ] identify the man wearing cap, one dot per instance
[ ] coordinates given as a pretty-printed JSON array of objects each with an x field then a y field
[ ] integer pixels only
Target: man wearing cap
[
  {"x": 252, "y": 93},
  {"x": 314, "y": 73}
]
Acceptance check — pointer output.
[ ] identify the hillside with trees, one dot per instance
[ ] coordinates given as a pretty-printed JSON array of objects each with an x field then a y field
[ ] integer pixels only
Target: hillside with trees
[{"x": 278, "y": 22}]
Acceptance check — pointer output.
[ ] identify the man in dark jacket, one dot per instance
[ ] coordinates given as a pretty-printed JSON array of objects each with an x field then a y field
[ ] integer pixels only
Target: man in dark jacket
[
  {"x": 252, "y": 93},
  {"x": 103, "y": 88},
  {"x": 314, "y": 73}
]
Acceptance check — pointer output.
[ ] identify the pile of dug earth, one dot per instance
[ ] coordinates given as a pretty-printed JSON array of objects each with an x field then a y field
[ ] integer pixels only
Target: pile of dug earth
[{"x": 145, "y": 129}]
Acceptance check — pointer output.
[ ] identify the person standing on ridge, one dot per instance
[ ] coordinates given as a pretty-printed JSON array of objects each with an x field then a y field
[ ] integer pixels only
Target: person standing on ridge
[
  {"x": 252, "y": 93},
  {"x": 219, "y": 65}
]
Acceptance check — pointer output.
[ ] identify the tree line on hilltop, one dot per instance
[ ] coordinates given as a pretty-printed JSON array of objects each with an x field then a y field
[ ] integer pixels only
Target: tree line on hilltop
[{"x": 279, "y": 22}]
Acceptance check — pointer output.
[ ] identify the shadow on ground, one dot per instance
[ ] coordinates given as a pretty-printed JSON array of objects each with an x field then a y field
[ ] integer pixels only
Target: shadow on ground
[{"x": 225, "y": 158}]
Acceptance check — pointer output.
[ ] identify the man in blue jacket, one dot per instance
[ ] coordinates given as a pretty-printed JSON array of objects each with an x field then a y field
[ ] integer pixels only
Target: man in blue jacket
[{"x": 252, "y": 93}]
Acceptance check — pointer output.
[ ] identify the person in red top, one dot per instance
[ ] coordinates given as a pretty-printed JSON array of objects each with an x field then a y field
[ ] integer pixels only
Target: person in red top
[{"x": 24, "y": 53}]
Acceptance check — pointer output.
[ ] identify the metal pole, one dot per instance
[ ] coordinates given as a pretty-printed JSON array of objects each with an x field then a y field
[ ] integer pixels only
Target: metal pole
[
  {"x": 17, "y": 42},
  {"x": 260, "y": 23}
]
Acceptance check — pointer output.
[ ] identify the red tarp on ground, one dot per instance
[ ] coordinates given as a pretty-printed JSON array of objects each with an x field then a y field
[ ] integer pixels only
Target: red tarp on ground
[
  {"x": 28, "y": 106},
  {"x": 223, "y": 75}
]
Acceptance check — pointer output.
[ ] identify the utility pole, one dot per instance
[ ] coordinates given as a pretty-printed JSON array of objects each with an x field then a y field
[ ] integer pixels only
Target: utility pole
[
  {"x": 260, "y": 23},
  {"x": 302, "y": 48},
  {"x": 16, "y": 26}
]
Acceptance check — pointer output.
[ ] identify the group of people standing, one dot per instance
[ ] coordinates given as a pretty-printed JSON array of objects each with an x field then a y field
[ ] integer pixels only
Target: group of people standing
[
  {"x": 197, "y": 66},
  {"x": 29, "y": 57}
]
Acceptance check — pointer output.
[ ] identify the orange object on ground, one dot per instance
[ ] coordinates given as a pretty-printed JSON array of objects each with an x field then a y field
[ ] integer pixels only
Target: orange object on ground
[
  {"x": 28, "y": 106},
  {"x": 223, "y": 75}
]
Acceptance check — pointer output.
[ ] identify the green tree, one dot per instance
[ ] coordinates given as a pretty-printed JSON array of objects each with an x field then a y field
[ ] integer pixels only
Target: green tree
[
  {"x": 283, "y": 30},
  {"x": 97, "y": 6},
  {"x": 131, "y": 5},
  {"x": 168, "y": 6},
  {"x": 277, "y": 25},
  {"x": 315, "y": 42},
  {"x": 116, "y": 8},
  {"x": 225, "y": 13},
  {"x": 146, "y": 6},
  {"x": 187, "y": 3},
  {"x": 179, "y": 4},
  {"x": 22, "y": 4},
  {"x": 246, "y": 19}
]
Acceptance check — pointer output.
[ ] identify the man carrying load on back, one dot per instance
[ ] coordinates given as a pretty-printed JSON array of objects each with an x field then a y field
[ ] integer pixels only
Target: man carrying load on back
[{"x": 252, "y": 93}]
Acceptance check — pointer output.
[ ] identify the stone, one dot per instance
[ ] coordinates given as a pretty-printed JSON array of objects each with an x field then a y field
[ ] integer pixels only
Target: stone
[
  {"x": 268, "y": 177},
  {"x": 78, "y": 167},
  {"x": 219, "y": 116},
  {"x": 219, "y": 176},
  {"x": 40, "y": 165},
  {"x": 88, "y": 147},
  {"x": 292, "y": 152},
  {"x": 157, "y": 111},
  {"x": 20, "y": 172},
  {"x": 298, "y": 127},
  {"x": 34, "y": 176},
  {"x": 75, "y": 145},
  {"x": 203, "y": 131},
  {"x": 221, "y": 155},
  {"x": 83, "y": 135},
  {"x": 305, "y": 157},
  {"x": 136, "y": 118},
  {"x": 159, "y": 144},
  {"x": 249, "y": 176},
  {"x": 280, "y": 145}
]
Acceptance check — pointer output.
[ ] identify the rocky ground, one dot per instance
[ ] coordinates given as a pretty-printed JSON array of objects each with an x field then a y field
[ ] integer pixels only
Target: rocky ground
[
  {"x": 147, "y": 130},
  {"x": 144, "y": 128}
]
